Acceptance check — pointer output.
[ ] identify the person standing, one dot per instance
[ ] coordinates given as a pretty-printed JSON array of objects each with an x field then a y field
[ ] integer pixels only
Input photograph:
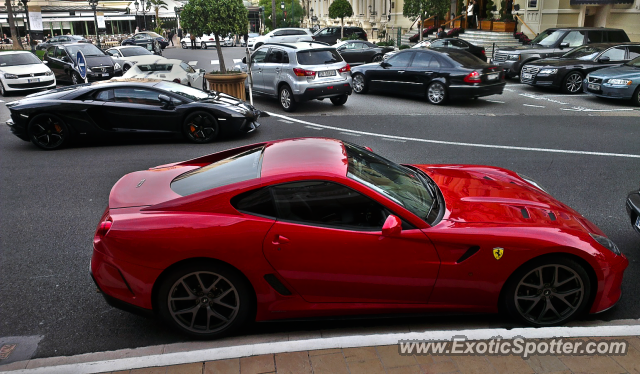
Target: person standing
[
  {"x": 441, "y": 33},
  {"x": 193, "y": 41},
  {"x": 171, "y": 34},
  {"x": 470, "y": 16},
  {"x": 137, "y": 30},
  {"x": 476, "y": 12}
]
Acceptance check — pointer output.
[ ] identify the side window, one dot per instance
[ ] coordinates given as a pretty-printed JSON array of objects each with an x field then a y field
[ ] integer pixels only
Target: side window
[
  {"x": 349, "y": 46},
  {"x": 422, "y": 60},
  {"x": 277, "y": 56},
  {"x": 136, "y": 96},
  {"x": 186, "y": 67},
  {"x": 258, "y": 202},
  {"x": 325, "y": 31},
  {"x": 51, "y": 51},
  {"x": 327, "y": 204},
  {"x": 595, "y": 37},
  {"x": 634, "y": 51},
  {"x": 574, "y": 38},
  {"x": 458, "y": 44},
  {"x": 279, "y": 33},
  {"x": 615, "y": 54},
  {"x": 60, "y": 52},
  {"x": 400, "y": 60},
  {"x": 359, "y": 46},
  {"x": 259, "y": 56},
  {"x": 617, "y": 37},
  {"x": 437, "y": 44},
  {"x": 104, "y": 95}
]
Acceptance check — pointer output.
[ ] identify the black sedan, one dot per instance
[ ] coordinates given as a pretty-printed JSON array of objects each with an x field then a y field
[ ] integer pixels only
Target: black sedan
[
  {"x": 357, "y": 52},
  {"x": 146, "y": 38},
  {"x": 633, "y": 208},
  {"x": 125, "y": 106},
  {"x": 567, "y": 72},
  {"x": 62, "y": 61},
  {"x": 437, "y": 74},
  {"x": 60, "y": 39},
  {"x": 454, "y": 43}
]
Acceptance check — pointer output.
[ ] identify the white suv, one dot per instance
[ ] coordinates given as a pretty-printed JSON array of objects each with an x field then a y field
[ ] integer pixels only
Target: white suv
[{"x": 286, "y": 35}]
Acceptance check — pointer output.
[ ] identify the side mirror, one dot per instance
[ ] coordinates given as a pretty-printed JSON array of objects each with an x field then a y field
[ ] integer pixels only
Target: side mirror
[
  {"x": 244, "y": 60},
  {"x": 45, "y": 62},
  {"x": 66, "y": 59},
  {"x": 564, "y": 45},
  {"x": 166, "y": 100},
  {"x": 604, "y": 59},
  {"x": 202, "y": 71},
  {"x": 392, "y": 226},
  {"x": 384, "y": 64}
]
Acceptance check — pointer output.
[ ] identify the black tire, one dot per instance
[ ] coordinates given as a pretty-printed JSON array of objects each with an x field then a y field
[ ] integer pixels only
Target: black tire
[
  {"x": 286, "y": 99},
  {"x": 3, "y": 92},
  {"x": 200, "y": 127},
  {"x": 125, "y": 69},
  {"x": 377, "y": 58},
  {"x": 572, "y": 83},
  {"x": 541, "y": 297},
  {"x": 48, "y": 131},
  {"x": 339, "y": 100},
  {"x": 184, "y": 45},
  {"x": 437, "y": 93},
  {"x": 360, "y": 85},
  {"x": 635, "y": 99},
  {"x": 202, "y": 304},
  {"x": 76, "y": 78},
  {"x": 203, "y": 45}
]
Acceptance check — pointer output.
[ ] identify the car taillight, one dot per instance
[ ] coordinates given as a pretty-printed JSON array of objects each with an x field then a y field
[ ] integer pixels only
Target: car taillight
[
  {"x": 104, "y": 227},
  {"x": 473, "y": 77},
  {"x": 177, "y": 80},
  {"x": 365, "y": 35},
  {"x": 345, "y": 69},
  {"x": 484, "y": 53},
  {"x": 304, "y": 73}
]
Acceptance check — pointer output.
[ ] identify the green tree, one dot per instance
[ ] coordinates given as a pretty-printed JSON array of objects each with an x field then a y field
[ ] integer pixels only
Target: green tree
[
  {"x": 489, "y": 8},
  {"x": 422, "y": 9},
  {"x": 157, "y": 5},
  {"x": 505, "y": 12},
  {"x": 291, "y": 20},
  {"x": 218, "y": 17},
  {"x": 459, "y": 8},
  {"x": 340, "y": 9}
]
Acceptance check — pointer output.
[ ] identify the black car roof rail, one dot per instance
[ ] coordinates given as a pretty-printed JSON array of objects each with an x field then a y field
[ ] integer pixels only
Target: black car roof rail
[{"x": 282, "y": 45}]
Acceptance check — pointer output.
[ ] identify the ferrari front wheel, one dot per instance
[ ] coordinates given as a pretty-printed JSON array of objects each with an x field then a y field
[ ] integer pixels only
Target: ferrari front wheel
[
  {"x": 200, "y": 127},
  {"x": 205, "y": 300},
  {"x": 548, "y": 292}
]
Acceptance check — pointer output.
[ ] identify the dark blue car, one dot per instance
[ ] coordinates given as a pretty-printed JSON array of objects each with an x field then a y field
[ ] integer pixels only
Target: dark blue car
[{"x": 620, "y": 82}]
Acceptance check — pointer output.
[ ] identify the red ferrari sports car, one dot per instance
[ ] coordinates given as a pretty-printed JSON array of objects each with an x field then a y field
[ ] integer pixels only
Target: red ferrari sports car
[{"x": 315, "y": 227}]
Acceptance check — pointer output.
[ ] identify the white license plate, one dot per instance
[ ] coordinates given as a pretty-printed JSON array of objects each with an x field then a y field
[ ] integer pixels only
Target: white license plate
[
  {"x": 493, "y": 76},
  {"x": 105, "y": 75},
  {"x": 638, "y": 223},
  {"x": 327, "y": 73},
  {"x": 527, "y": 76},
  {"x": 36, "y": 80},
  {"x": 592, "y": 86}
]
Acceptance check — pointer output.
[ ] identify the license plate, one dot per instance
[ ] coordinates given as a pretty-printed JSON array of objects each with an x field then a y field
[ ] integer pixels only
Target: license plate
[
  {"x": 327, "y": 73},
  {"x": 638, "y": 223},
  {"x": 526, "y": 76},
  {"x": 36, "y": 80},
  {"x": 105, "y": 75},
  {"x": 493, "y": 76},
  {"x": 592, "y": 86}
]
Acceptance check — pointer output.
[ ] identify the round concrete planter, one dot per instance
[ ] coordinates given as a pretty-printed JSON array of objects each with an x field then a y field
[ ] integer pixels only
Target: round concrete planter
[{"x": 230, "y": 83}]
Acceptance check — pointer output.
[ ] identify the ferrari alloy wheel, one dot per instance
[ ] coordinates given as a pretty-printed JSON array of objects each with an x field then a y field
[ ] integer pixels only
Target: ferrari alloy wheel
[
  {"x": 377, "y": 58},
  {"x": 548, "y": 293},
  {"x": 203, "y": 45},
  {"x": 339, "y": 100},
  {"x": 201, "y": 127},
  {"x": 287, "y": 102},
  {"x": 48, "y": 132},
  {"x": 436, "y": 93},
  {"x": 359, "y": 84},
  {"x": 572, "y": 83},
  {"x": 205, "y": 300}
]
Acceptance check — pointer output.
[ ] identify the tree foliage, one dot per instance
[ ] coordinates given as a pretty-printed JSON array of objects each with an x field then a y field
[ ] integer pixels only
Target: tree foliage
[
  {"x": 340, "y": 9},
  {"x": 489, "y": 9},
  {"x": 505, "y": 11},
  {"x": 423, "y": 9},
  {"x": 292, "y": 20},
  {"x": 218, "y": 17},
  {"x": 156, "y": 5}
]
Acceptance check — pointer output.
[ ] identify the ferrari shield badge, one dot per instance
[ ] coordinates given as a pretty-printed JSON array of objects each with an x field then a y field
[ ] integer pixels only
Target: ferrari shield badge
[{"x": 497, "y": 252}]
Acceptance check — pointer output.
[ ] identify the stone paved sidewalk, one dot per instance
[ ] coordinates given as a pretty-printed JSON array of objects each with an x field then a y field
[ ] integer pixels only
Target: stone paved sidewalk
[{"x": 386, "y": 359}]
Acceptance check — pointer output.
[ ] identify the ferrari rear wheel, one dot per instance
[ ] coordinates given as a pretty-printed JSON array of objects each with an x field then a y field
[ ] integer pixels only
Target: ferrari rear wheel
[
  {"x": 48, "y": 132},
  {"x": 201, "y": 127},
  {"x": 205, "y": 300},
  {"x": 548, "y": 292}
]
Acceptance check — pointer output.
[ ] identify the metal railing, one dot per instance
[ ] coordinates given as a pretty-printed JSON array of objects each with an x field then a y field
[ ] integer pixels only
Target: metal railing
[
  {"x": 453, "y": 20},
  {"x": 527, "y": 26}
]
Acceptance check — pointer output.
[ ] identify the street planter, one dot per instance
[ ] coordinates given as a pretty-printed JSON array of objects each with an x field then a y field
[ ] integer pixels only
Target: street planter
[
  {"x": 504, "y": 26},
  {"x": 459, "y": 24},
  {"x": 230, "y": 83},
  {"x": 486, "y": 24}
]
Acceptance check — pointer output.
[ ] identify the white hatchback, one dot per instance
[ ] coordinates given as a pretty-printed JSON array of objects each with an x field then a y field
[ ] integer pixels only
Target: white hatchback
[
  {"x": 168, "y": 70},
  {"x": 129, "y": 55},
  {"x": 285, "y": 35},
  {"x": 22, "y": 71}
]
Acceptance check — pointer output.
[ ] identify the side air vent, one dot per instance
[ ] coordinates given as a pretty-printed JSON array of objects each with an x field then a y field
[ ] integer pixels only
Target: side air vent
[
  {"x": 552, "y": 216},
  {"x": 277, "y": 285},
  {"x": 487, "y": 178},
  {"x": 470, "y": 252},
  {"x": 524, "y": 212}
]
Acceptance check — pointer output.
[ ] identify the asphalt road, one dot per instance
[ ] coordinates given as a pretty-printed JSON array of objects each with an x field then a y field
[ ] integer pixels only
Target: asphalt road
[{"x": 50, "y": 202}]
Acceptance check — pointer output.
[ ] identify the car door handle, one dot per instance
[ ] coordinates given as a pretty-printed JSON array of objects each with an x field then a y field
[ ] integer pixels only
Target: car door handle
[
  {"x": 279, "y": 239},
  {"x": 400, "y": 71},
  {"x": 428, "y": 72}
]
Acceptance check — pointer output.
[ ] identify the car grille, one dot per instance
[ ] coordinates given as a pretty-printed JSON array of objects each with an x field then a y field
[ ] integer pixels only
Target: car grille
[
  {"x": 31, "y": 85},
  {"x": 99, "y": 69},
  {"x": 595, "y": 80},
  {"x": 533, "y": 70},
  {"x": 500, "y": 57},
  {"x": 30, "y": 75}
]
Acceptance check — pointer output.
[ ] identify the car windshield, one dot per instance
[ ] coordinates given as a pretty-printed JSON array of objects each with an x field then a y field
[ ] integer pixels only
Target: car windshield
[
  {"x": 15, "y": 59},
  {"x": 153, "y": 34},
  {"x": 253, "y": 35},
  {"x": 318, "y": 57},
  {"x": 583, "y": 53},
  {"x": 548, "y": 40},
  {"x": 398, "y": 183},
  {"x": 155, "y": 67},
  {"x": 135, "y": 51},
  {"x": 87, "y": 50},
  {"x": 185, "y": 91},
  {"x": 635, "y": 62},
  {"x": 241, "y": 167}
]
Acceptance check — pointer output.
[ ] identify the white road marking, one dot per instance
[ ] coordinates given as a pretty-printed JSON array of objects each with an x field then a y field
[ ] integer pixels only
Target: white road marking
[
  {"x": 509, "y": 89},
  {"x": 193, "y": 63},
  {"x": 538, "y": 97},
  {"x": 285, "y": 121},
  {"x": 349, "y": 133},
  {"x": 394, "y": 140},
  {"x": 314, "y": 128},
  {"x": 495, "y": 101},
  {"x": 532, "y": 149},
  {"x": 535, "y": 106},
  {"x": 235, "y": 60},
  {"x": 353, "y": 341},
  {"x": 583, "y": 109},
  {"x": 215, "y": 62}
]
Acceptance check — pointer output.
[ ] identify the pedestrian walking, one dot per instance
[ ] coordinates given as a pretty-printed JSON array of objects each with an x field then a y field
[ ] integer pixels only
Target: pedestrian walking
[
  {"x": 193, "y": 41},
  {"x": 180, "y": 34},
  {"x": 171, "y": 35}
]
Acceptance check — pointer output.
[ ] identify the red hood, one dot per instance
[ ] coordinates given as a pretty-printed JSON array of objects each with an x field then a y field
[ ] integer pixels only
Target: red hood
[{"x": 488, "y": 194}]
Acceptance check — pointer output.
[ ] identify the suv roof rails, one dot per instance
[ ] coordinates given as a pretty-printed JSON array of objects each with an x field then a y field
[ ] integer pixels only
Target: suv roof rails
[{"x": 281, "y": 44}]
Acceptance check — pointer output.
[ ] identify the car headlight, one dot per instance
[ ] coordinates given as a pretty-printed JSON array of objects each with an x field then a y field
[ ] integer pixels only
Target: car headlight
[
  {"x": 619, "y": 82},
  {"x": 548, "y": 71},
  {"x": 10, "y": 76},
  {"x": 607, "y": 243},
  {"x": 532, "y": 182},
  {"x": 117, "y": 66},
  {"x": 49, "y": 72},
  {"x": 238, "y": 109},
  {"x": 513, "y": 57}
]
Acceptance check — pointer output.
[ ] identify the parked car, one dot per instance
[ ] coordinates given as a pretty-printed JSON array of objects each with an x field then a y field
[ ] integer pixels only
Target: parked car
[
  {"x": 203, "y": 42},
  {"x": 284, "y": 35},
  {"x": 438, "y": 74},
  {"x": 146, "y": 41},
  {"x": 143, "y": 35},
  {"x": 21, "y": 71},
  {"x": 126, "y": 106},
  {"x": 330, "y": 228},
  {"x": 251, "y": 36},
  {"x": 169, "y": 70},
  {"x": 297, "y": 72},
  {"x": 129, "y": 55},
  {"x": 633, "y": 209},
  {"x": 620, "y": 82},
  {"x": 332, "y": 35},
  {"x": 229, "y": 41},
  {"x": 568, "y": 72},
  {"x": 358, "y": 52},
  {"x": 454, "y": 43},
  {"x": 61, "y": 59},
  {"x": 554, "y": 44},
  {"x": 61, "y": 39}
]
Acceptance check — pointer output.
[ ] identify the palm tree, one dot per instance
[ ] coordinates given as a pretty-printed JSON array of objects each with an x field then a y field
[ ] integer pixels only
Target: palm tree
[{"x": 157, "y": 5}]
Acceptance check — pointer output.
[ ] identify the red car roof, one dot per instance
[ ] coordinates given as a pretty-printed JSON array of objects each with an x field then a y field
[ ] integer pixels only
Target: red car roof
[{"x": 304, "y": 155}]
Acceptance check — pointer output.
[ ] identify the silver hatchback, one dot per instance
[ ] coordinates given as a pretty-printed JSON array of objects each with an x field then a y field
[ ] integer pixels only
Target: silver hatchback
[{"x": 297, "y": 72}]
